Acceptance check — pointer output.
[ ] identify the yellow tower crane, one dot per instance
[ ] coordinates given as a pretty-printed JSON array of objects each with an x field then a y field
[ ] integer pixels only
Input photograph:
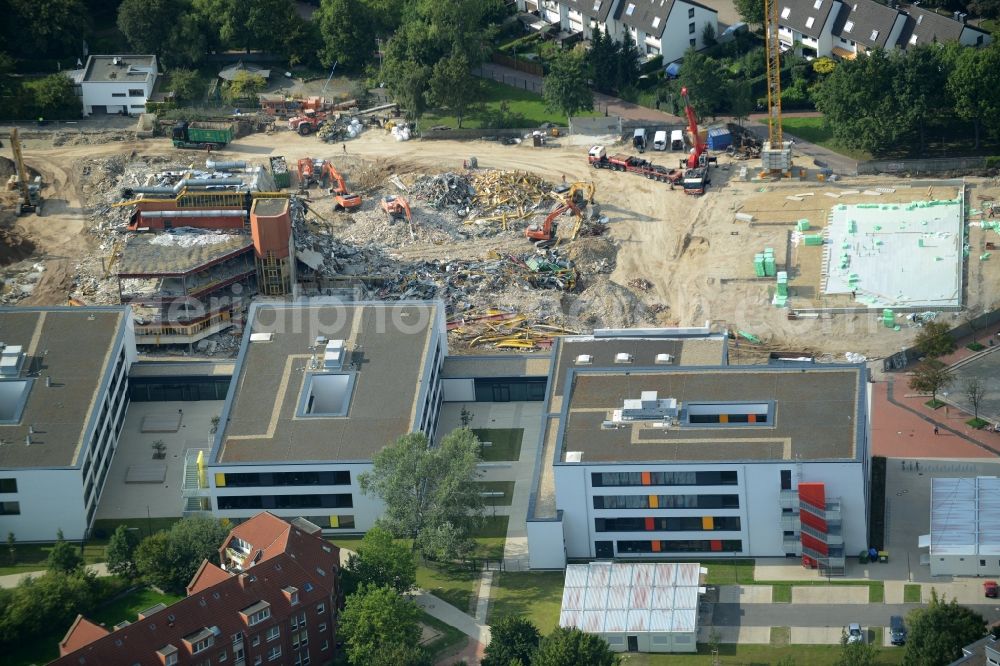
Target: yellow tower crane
[{"x": 776, "y": 156}]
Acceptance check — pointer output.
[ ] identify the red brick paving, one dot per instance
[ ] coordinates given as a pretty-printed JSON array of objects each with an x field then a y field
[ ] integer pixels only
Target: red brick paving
[
  {"x": 899, "y": 433},
  {"x": 472, "y": 654}
]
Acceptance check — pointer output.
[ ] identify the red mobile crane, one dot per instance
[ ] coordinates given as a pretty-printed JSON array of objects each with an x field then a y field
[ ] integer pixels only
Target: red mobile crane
[{"x": 697, "y": 177}]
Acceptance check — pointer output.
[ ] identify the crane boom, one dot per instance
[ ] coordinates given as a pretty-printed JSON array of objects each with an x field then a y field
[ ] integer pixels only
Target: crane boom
[
  {"x": 773, "y": 74},
  {"x": 697, "y": 145}
]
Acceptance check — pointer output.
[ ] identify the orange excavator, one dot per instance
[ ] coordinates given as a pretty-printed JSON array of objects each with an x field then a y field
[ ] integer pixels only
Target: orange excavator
[
  {"x": 545, "y": 235},
  {"x": 344, "y": 200},
  {"x": 306, "y": 169},
  {"x": 397, "y": 208}
]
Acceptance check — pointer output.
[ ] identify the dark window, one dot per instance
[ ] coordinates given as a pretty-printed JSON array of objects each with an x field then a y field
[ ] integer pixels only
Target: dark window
[
  {"x": 789, "y": 533},
  {"x": 667, "y": 502},
  {"x": 10, "y": 508},
  {"x": 786, "y": 479},
  {"x": 118, "y": 94},
  {"x": 240, "y": 502},
  {"x": 982, "y": 563},
  {"x": 667, "y": 524},
  {"x": 683, "y": 546},
  {"x": 8, "y": 485},
  {"x": 692, "y": 42},
  {"x": 691, "y": 28},
  {"x": 620, "y": 479},
  {"x": 691, "y": 12},
  {"x": 255, "y": 479},
  {"x": 285, "y": 501},
  {"x": 135, "y": 92},
  {"x": 604, "y": 549}
]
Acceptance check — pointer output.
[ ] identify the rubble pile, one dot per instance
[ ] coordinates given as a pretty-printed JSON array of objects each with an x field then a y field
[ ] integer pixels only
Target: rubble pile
[{"x": 446, "y": 189}]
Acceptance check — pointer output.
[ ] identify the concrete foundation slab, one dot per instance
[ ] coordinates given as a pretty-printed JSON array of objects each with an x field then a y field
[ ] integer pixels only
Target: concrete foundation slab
[
  {"x": 745, "y": 594},
  {"x": 815, "y": 635}
]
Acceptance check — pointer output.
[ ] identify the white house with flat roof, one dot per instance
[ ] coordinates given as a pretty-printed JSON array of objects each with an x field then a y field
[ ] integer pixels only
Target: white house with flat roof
[
  {"x": 116, "y": 83},
  {"x": 63, "y": 396}
]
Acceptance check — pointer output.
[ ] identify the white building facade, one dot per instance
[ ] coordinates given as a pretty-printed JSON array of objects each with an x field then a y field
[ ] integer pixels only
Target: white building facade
[
  {"x": 113, "y": 84},
  {"x": 53, "y": 467}
]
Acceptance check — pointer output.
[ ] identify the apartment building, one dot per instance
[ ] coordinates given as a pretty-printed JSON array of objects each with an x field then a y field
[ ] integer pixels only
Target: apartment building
[
  {"x": 655, "y": 447},
  {"x": 274, "y": 601},
  {"x": 63, "y": 395},
  {"x": 319, "y": 387},
  {"x": 845, "y": 29},
  {"x": 658, "y": 27}
]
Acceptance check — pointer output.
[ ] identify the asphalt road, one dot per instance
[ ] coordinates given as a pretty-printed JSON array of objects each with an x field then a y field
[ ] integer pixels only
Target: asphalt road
[{"x": 819, "y": 615}]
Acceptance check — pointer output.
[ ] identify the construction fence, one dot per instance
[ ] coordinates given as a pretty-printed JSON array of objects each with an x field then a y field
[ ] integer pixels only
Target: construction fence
[
  {"x": 929, "y": 165},
  {"x": 520, "y": 65},
  {"x": 513, "y": 80}
]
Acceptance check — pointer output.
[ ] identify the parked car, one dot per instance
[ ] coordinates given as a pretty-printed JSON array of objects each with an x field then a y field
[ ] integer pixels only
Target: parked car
[
  {"x": 660, "y": 140},
  {"x": 854, "y": 633},
  {"x": 897, "y": 630},
  {"x": 639, "y": 139}
]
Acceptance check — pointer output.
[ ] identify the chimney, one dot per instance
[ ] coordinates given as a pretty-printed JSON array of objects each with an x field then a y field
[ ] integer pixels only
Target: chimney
[{"x": 243, "y": 581}]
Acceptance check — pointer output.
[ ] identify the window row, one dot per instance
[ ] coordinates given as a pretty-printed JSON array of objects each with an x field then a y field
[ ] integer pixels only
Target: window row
[
  {"x": 662, "y": 524},
  {"x": 265, "y": 479},
  {"x": 709, "y": 478},
  {"x": 683, "y": 546},
  {"x": 285, "y": 501},
  {"x": 667, "y": 502}
]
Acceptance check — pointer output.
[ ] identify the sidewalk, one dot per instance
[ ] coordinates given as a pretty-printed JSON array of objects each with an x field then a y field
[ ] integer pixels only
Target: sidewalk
[{"x": 12, "y": 580}]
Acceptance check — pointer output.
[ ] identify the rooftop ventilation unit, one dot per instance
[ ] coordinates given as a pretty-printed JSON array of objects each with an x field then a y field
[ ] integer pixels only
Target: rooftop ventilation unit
[
  {"x": 574, "y": 456},
  {"x": 664, "y": 359},
  {"x": 647, "y": 408},
  {"x": 584, "y": 359},
  {"x": 261, "y": 337},
  {"x": 11, "y": 358},
  {"x": 333, "y": 357},
  {"x": 623, "y": 357}
]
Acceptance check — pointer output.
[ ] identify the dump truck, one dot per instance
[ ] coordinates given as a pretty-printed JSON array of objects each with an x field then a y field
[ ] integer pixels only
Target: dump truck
[
  {"x": 599, "y": 159},
  {"x": 202, "y": 134},
  {"x": 696, "y": 180}
]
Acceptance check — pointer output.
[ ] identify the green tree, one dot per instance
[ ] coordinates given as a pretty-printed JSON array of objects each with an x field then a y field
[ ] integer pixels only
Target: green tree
[
  {"x": 514, "y": 638},
  {"x": 425, "y": 488},
  {"x": 400, "y": 655},
  {"x": 824, "y": 65},
  {"x": 974, "y": 391},
  {"x": 571, "y": 647},
  {"x": 386, "y": 15},
  {"x": 258, "y": 24},
  {"x": 751, "y": 11},
  {"x": 922, "y": 87},
  {"x": 148, "y": 24},
  {"x": 974, "y": 83},
  {"x": 861, "y": 653},
  {"x": 853, "y": 100},
  {"x": 53, "y": 97},
  {"x": 346, "y": 28},
  {"x": 121, "y": 552},
  {"x": 188, "y": 40},
  {"x": 627, "y": 74},
  {"x": 186, "y": 84},
  {"x": 37, "y": 605},
  {"x": 603, "y": 60},
  {"x": 565, "y": 86},
  {"x": 376, "y": 619},
  {"x": 48, "y": 28},
  {"x": 452, "y": 85},
  {"x": 244, "y": 86},
  {"x": 64, "y": 557},
  {"x": 708, "y": 35},
  {"x": 932, "y": 376},
  {"x": 741, "y": 102},
  {"x": 938, "y": 631},
  {"x": 934, "y": 339},
  {"x": 380, "y": 561},
  {"x": 700, "y": 75},
  {"x": 302, "y": 43},
  {"x": 170, "y": 559}
]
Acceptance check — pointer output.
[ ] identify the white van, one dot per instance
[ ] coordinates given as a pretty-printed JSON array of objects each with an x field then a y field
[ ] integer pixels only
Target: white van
[
  {"x": 639, "y": 139},
  {"x": 677, "y": 140},
  {"x": 660, "y": 140}
]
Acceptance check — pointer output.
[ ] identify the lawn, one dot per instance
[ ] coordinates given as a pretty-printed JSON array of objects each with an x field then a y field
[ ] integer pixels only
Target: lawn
[
  {"x": 528, "y": 104},
  {"x": 911, "y": 594},
  {"x": 812, "y": 130},
  {"x": 128, "y": 606},
  {"x": 505, "y": 443},
  {"x": 453, "y": 583},
  {"x": 729, "y": 572},
  {"x": 442, "y": 645},
  {"x": 534, "y": 595},
  {"x": 104, "y": 528},
  {"x": 814, "y": 655},
  {"x": 506, "y": 488},
  {"x": 32, "y": 557}
]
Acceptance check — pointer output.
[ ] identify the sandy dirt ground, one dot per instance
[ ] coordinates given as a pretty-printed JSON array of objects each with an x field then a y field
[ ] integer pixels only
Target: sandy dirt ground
[{"x": 694, "y": 252}]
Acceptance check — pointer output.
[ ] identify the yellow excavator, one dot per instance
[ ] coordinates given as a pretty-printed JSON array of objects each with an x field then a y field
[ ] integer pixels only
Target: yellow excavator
[{"x": 30, "y": 192}]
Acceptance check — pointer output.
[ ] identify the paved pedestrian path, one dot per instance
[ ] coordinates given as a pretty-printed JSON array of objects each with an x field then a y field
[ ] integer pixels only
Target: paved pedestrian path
[
  {"x": 442, "y": 610},
  {"x": 12, "y": 580}
]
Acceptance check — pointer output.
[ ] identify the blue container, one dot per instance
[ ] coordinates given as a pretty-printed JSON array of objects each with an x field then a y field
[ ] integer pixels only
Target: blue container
[{"x": 719, "y": 138}]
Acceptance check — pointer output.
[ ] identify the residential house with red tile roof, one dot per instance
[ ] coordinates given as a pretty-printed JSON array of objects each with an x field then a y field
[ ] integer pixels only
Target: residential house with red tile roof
[{"x": 274, "y": 601}]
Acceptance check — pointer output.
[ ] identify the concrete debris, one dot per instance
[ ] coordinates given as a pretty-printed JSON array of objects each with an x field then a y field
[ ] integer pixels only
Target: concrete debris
[
  {"x": 640, "y": 284},
  {"x": 189, "y": 237}
]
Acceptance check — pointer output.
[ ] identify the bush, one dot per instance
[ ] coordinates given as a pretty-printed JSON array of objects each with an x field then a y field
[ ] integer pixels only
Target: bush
[
  {"x": 52, "y": 97},
  {"x": 993, "y": 162},
  {"x": 655, "y": 64}
]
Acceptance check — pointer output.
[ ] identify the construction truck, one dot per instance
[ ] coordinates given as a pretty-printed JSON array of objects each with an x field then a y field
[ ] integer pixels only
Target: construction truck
[
  {"x": 397, "y": 208},
  {"x": 202, "y": 134},
  {"x": 343, "y": 199},
  {"x": 599, "y": 159},
  {"x": 698, "y": 162},
  {"x": 544, "y": 235},
  {"x": 310, "y": 121},
  {"x": 31, "y": 192}
]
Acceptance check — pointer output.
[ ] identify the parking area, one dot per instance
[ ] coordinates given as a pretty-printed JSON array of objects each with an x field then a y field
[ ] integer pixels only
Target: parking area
[
  {"x": 145, "y": 493},
  {"x": 985, "y": 368}
]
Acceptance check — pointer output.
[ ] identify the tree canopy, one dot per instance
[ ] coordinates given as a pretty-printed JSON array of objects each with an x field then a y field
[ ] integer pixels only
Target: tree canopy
[
  {"x": 64, "y": 557},
  {"x": 170, "y": 559},
  {"x": 938, "y": 631},
  {"x": 565, "y": 86},
  {"x": 700, "y": 75},
  {"x": 514, "y": 640},
  {"x": 430, "y": 493},
  {"x": 453, "y": 86},
  {"x": 934, "y": 339},
  {"x": 121, "y": 552},
  {"x": 47, "y": 28},
  {"x": 572, "y": 647},
  {"x": 375, "y": 622},
  {"x": 932, "y": 376},
  {"x": 380, "y": 561}
]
